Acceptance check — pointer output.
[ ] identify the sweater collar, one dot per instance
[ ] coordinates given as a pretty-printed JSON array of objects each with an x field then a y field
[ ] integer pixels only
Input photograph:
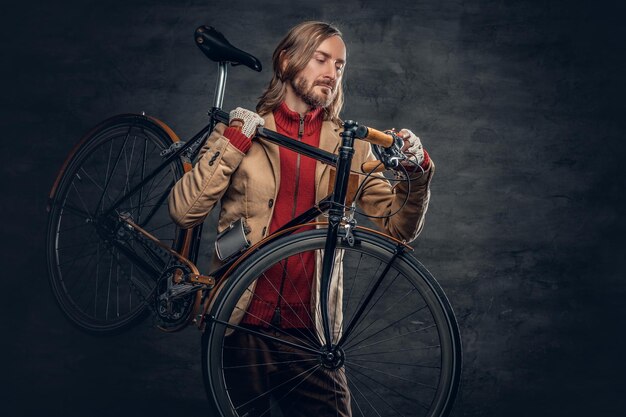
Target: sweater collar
[{"x": 289, "y": 120}]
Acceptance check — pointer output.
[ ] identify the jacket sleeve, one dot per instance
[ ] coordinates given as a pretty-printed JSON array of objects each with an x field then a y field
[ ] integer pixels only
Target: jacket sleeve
[
  {"x": 380, "y": 199},
  {"x": 193, "y": 197}
]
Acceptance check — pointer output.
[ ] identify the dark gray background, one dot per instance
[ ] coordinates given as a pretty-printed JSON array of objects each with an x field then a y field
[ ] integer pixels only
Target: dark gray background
[{"x": 519, "y": 103}]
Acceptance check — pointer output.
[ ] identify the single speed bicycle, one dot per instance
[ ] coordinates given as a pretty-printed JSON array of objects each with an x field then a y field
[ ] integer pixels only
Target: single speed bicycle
[{"x": 114, "y": 255}]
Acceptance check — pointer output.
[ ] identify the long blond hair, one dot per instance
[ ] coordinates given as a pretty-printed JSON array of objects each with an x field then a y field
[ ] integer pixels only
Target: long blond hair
[{"x": 297, "y": 47}]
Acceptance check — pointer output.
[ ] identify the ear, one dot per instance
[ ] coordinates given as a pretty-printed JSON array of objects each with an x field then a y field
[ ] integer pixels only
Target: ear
[{"x": 282, "y": 59}]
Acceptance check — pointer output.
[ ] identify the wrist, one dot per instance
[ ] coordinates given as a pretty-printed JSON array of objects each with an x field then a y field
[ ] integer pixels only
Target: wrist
[
  {"x": 426, "y": 162},
  {"x": 237, "y": 138}
]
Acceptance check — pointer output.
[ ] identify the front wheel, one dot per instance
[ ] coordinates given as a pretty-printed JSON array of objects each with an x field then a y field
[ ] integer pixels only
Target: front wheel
[{"x": 401, "y": 355}]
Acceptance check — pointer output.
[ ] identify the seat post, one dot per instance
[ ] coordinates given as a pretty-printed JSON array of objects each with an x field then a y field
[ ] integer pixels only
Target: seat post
[{"x": 218, "y": 98}]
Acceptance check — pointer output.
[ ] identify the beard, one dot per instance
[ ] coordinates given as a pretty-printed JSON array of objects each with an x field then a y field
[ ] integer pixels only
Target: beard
[{"x": 310, "y": 97}]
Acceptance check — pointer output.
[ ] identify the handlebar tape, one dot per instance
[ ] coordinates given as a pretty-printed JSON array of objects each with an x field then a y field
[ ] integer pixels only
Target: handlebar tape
[{"x": 374, "y": 136}]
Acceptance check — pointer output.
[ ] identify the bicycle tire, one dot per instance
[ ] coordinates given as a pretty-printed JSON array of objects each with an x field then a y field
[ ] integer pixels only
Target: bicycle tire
[
  {"x": 96, "y": 286},
  {"x": 419, "y": 378}
]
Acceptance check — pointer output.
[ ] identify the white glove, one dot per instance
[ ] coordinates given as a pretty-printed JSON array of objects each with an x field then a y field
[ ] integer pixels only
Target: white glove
[
  {"x": 412, "y": 146},
  {"x": 249, "y": 120}
]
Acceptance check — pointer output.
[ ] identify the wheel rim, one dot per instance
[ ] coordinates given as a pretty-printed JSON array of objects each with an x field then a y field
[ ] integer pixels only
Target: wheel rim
[
  {"x": 403, "y": 358},
  {"x": 97, "y": 286}
]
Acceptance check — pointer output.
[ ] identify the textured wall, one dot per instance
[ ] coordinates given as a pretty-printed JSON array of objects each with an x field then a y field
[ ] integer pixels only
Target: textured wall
[{"x": 519, "y": 103}]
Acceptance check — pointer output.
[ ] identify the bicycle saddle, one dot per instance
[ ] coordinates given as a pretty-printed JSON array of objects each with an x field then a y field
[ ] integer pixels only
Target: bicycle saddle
[{"x": 217, "y": 48}]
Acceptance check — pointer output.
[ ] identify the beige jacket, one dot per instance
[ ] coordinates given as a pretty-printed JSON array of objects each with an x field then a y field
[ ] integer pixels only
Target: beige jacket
[{"x": 247, "y": 186}]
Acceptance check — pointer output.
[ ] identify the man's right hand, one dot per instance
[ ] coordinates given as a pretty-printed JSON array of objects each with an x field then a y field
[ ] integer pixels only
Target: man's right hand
[{"x": 246, "y": 120}]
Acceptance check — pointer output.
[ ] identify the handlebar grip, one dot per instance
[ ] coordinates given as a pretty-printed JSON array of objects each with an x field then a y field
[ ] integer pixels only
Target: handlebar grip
[
  {"x": 374, "y": 136},
  {"x": 372, "y": 166}
]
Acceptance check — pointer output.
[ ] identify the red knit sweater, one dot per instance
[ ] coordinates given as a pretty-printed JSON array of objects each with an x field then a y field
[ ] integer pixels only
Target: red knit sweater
[{"x": 282, "y": 296}]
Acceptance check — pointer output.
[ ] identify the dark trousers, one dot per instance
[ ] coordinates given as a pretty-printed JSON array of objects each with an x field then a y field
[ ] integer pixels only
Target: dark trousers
[{"x": 262, "y": 374}]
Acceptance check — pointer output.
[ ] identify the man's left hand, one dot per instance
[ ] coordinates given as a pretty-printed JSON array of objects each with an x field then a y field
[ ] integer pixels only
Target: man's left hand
[{"x": 412, "y": 146}]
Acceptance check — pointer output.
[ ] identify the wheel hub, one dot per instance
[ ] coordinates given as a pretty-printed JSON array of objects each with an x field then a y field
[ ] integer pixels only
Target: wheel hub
[
  {"x": 333, "y": 358},
  {"x": 106, "y": 227}
]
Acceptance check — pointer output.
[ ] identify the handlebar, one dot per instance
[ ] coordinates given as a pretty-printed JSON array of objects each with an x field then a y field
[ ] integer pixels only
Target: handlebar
[{"x": 374, "y": 136}]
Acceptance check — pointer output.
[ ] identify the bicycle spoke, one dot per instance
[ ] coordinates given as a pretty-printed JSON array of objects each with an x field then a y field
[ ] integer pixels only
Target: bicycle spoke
[
  {"x": 313, "y": 368},
  {"x": 269, "y": 363},
  {"x": 391, "y": 375},
  {"x": 158, "y": 205},
  {"x": 74, "y": 285},
  {"x": 106, "y": 312},
  {"x": 379, "y": 280},
  {"x": 365, "y": 398},
  {"x": 299, "y": 383},
  {"x": 369, "y": 285},
  {"x": 90, "y": 178},
  {"x": 306, "y": 341},
  {"x": 266, "y": 336},
  {"x": 81, "y": 244},
  {"x": 381, "y": 295},
  {"x": 377, "y": 384},
  {"x": 77, "y": 212},
  {"x": 95, "y": 301},
  {"x": 293, "y": 388},
  {"x": 348, "y": 345},
  {"x": 78, "y": 194},
  {"x": 335, "y": 395},
  {"x": 394, "y": 337},
  {"x": 117, "y": 160},
  {"x": 126, "y": 186},
  {"x": 387, "y": 387},
  {"x": 391, "y": 307},
  {"x": 354, "y": 279},
  {"x": 123, "y": 189},
  {"x": 316, "y": 355},
  {"x": 396, "y": 363},
  {"x": 68, "y": 229},
  {"x": 152, "y": 185},
  {"x": 143, "y": 174},
  {"x": 284, "y": 302},
  {"x": 80, "y": 256},
  {"x": 117, "y": 284},
  {"x": 396, "y": 351},
  {"x": 354, "y": 399},
  {"x": 288, "y": 277}
]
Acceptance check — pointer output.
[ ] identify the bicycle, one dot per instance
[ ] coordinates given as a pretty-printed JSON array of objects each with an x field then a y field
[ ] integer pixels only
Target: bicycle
[{"x": 114, "y": 255}]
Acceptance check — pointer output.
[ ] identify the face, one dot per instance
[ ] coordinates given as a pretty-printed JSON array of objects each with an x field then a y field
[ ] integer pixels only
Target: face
[{"x": 316, "y": 85}]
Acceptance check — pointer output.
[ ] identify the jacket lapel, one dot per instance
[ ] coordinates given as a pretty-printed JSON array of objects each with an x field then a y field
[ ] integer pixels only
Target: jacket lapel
[
  {"x": 272, "y": 150},
  {"x": 329, "y": 141}
]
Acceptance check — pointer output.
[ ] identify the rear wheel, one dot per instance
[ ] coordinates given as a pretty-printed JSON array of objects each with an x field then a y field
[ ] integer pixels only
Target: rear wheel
[
  {"x": 102, "y": 273},
  {"x": 401, "y": 356}
]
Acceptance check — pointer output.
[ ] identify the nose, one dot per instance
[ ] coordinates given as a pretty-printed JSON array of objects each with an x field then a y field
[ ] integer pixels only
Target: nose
[{"x": 330, "y": 71}]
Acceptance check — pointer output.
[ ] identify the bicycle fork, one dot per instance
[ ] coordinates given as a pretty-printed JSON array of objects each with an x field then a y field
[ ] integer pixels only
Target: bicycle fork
[{"x": 346, "y": 151}]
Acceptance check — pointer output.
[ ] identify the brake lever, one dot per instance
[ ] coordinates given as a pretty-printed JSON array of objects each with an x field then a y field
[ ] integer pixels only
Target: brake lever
[{"x": 391, "y": 157}]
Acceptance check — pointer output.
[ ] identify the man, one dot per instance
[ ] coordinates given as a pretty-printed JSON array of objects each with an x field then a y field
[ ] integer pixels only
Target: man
[{"x": 268, "y": 186}]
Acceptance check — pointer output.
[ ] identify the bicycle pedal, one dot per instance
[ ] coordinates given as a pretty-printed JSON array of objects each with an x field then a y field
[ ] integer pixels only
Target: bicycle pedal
[
  {"x": 180, "y": 290},
  {"x": 202, "y": 279}
]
